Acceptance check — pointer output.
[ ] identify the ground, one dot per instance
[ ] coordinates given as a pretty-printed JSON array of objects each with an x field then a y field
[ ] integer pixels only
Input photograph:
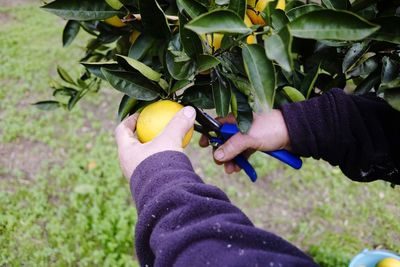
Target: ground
[{"x": 63, "y": 200}]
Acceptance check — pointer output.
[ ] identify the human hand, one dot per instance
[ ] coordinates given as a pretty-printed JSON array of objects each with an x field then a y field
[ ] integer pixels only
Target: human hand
[
  {"x": 267, "y": 133},
  {"x": 132, "y": 152}
]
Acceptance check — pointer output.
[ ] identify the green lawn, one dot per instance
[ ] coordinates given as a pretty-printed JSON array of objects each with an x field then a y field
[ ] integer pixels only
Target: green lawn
[{"x": 63, "y": 201}]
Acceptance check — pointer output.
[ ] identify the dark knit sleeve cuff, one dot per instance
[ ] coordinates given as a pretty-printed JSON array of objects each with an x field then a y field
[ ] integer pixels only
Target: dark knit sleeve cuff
[
  {"x": 299, "y": 128},
  {"x": 159, "y": 172}
]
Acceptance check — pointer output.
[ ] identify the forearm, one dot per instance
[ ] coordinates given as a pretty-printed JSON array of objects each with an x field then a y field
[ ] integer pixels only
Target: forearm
[
  {"x": 360, "y": 134},
  {"x": 184, "y": 222}
]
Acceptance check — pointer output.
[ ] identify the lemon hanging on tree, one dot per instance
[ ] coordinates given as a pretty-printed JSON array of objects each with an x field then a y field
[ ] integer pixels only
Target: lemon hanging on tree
[
  {"x": 115, "y": 21},
  {"x": 255, "y": 7}
]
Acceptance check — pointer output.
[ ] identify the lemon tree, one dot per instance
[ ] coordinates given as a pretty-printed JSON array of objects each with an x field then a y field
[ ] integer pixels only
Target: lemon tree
[{"x": 233, "y": 56}]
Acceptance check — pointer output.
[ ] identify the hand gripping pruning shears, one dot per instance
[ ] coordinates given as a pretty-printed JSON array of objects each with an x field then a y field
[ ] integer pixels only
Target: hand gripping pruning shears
[{"x": 218, "y": 133}]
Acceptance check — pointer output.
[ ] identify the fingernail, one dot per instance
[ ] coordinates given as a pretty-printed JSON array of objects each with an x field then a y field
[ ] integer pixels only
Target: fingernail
[
  {"x": 189, "y": 112},
  {"x": 219, "y": 154}
]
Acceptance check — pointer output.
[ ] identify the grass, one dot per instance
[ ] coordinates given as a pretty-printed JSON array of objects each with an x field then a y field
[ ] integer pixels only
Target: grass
[{"x": 63, "y": 201}]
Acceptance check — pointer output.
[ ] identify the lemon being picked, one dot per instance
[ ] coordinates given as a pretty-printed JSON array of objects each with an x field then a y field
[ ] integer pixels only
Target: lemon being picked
[
  {"x": 389, "y": 262},
  {"x": 153, "y": 119}
]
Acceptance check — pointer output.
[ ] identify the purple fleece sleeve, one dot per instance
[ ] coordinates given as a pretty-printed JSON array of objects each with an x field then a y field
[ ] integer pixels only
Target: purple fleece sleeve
[
  {"x": 184, "y": 222},
  {"x": 358, "y": 133}
]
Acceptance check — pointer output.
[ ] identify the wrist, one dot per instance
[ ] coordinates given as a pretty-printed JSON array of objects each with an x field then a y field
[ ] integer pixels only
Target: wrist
[
  {"x": 270, "y": 131},
  {"x": 282, "y": 131}
]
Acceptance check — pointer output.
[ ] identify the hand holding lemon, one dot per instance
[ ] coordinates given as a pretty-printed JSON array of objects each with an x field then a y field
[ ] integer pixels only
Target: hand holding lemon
[{"x": 171, "y": 129}]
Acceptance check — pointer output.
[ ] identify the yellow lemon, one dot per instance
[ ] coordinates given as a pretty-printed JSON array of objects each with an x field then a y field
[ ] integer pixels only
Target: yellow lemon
[
  {"x": 281, "y": 4},
  {"x": 153, "y": 119},
  {"x": 389, "y": 262},
  {"x": 134, "y": 35},
  {"x": 256, "y": 7},
  {"x": 251, "y": 39},
  {"x": 115, "y": 21},
  {"x": 214, "y": 40}
]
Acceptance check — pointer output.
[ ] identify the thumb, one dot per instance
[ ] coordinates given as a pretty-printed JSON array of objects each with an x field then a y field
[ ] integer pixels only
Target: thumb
[
  {"x": 233, "y": 147},
  {"x": 179, "y": 125}
]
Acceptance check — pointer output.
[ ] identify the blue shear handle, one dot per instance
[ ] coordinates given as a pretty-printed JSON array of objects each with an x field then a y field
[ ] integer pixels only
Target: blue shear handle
[
  {"x": 286, "y": 157},
  {"x": 228, "y": 130},
  {"x": 240, "y": 160}
]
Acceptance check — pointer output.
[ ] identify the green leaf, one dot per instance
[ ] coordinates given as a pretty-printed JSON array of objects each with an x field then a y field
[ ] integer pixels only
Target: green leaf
[
  {"x": 358, "y": 5},
  {"x": 47, "y": 105},
  {"x": 178, "y": 66},
  {"x": 308, "y": 84},
  {"x": 191, "y": 7},
  {"x": 143, "y": 44},
  {"x": 181, "y": 85},
  {"x": 222, "y": 96},
  {"x": 64, "y": 75},
  {"x": 337, "y": 4},
  {"x": 389, "y": 31},
  {"x": 278, "y": 47},
  {"x": 200, "y": 96},
  {"x": 232, "y": 61},
  {"x": 367, "y": 64},
  {"x": 390, "y": 69},
  {"x": 279, "y": 19},
  {"x": 238, "y": 6},
  {"x": 222, "y": 2},
  {"x": 269, "y": 9},
  {"x": 332, "y": 24},
  {"x": 153, "y": 19},
  {"x": 163, "y": 84},
  {"x": 392, "y": 96},
  {"x": 95, "y": 67},
  {"x": 244, "y": 116},
  {"x": 145, "y": 70},
  {"x": 71, "y": 30},
  {"x": 65, "y": 91},
  {"x": 393, "y": 84},
  {"x": 125, "y": 106},
  {"x": 301, "y": 10},
  {"x": 191, "y": 42},
  {"x": 261, "y": 73},
  {"x": 293, "y": 4},
  {"x": 292, "y": 94},
  {"x": 206, "y": 62},
  {"x": 241, "y": 84},
  {"x": 73, "y": 100},
  {"x": 81, "y": 10},
  {"x": 116, "y": 4},
  {"x": 353, "y": 54},
  {"x": 220, "y": 20},
  {"x": 370, "y": 82},
  {"x": 134, "y": 85}
]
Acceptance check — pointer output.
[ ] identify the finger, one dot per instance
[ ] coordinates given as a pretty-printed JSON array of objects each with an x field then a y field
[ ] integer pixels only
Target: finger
[
  {"x": 180, "y": 124},
  {"x": 228, "y": 119},
  {"x": 124, "y": 132},
  {"x": 203, "y": 142},
  {"x": 233, "y": 147},
  {"x": 229, "y": 167},
  {"x": 237, "y": 168},
  {"x": 218, "y": 162}
]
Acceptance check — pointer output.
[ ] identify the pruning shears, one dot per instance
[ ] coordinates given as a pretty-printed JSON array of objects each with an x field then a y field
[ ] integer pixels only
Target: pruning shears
[{"x": 218, "y": 133}]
